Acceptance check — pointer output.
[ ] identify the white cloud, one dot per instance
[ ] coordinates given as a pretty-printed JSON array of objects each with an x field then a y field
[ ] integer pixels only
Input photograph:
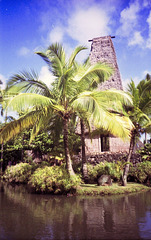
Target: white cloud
[
  {"x": 137, "y": 39},
  {"x": 136, "y": 79},
  {"x": 85, "y": 24},
  {"x": 129, "y": 19},
  {"x": 24, "y": 51},
  {"x": 3, "y": 79},
  {"x": 125, "y": 83},
  {"x": 46, "y": 76},
  {"x": 56, "y": 35},
  {"x": 146, "y": 3}
]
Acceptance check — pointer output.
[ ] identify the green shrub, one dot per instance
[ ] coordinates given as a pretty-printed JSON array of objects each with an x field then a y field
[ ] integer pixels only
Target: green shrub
[
  {"x": 105, "y": 168},
  {"x": 145, "y": 152},
  {"x": 141, "y": 172},
  {"x": 53, "y": 179},
  {"x": 19, "y": 173}
]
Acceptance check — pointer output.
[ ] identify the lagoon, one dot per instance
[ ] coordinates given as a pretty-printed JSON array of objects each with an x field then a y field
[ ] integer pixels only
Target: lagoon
[{"x": 26, "y": 216}]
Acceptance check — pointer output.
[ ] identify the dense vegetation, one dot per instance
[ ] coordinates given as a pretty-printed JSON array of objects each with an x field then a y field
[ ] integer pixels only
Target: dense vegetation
[
  {"x": 43, "y": 178},
  {"x": 48, "y": 118}
]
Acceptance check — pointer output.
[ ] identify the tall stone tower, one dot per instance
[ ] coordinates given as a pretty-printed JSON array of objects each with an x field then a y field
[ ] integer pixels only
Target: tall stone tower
[{"x": 102, "y": 50}]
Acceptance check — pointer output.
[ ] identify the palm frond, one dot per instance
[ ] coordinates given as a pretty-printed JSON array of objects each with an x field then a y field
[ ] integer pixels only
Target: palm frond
[
  {"x": 99, "y": 72},
  {"x": 56, "y": 55},
  {"x": 101, "y": 116},
  {"x": 74, "y": 54},
  {"x": 25, "y": 101},
  {"x": 45, "y": 57},
  {"x": 27, "y": 82},
  {"x": 13, "y": 128},
  {"x": 43, "y": 121}
]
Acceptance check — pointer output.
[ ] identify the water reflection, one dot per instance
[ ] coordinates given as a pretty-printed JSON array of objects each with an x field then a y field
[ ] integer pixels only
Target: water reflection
[{"x": 31, "y": 216}]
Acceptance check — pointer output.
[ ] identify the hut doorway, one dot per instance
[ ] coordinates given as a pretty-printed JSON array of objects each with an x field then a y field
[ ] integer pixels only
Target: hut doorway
[{"x": 105, "y": 146}]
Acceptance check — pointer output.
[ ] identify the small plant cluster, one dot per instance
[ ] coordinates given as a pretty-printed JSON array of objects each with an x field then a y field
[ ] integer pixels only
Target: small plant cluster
[
  {"x": 19, "y": 173},
  {"x": 42, "y": 178},
  {"x": 141, "y": 173},
  {"x": 113, "y": 169},
  {"x": 54, "y": 179},
  {"x": 145, "y": 152}
]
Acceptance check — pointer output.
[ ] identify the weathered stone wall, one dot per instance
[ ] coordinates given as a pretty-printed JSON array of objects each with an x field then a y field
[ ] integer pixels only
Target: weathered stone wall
[
  {"x": 93, "y": 146},
  {"x": 109, "y": 157},
  {"x": 102, "y": 50},
  {"x": 118, "y": 145}
]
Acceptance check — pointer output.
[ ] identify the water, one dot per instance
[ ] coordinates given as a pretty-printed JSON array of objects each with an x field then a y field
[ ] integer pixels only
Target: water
[{"x": 25, "y": 216}]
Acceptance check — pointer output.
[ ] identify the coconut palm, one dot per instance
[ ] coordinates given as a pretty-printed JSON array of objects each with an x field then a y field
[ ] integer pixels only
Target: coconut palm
[
  {"x": 64, "y": 99},
  {"x": 3, "y": 99},
  {"x": 110, "y": 100},
  {"x": 140, "y": 115}
]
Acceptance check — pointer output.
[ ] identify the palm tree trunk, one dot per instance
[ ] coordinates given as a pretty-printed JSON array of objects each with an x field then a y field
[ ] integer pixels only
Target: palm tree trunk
[
  {"x": 84, "y": 161},
  {"x": 145, "y": 137},
  {"x": 2, "y": 151},
  {"x": 127, "y": 166},
  {"x": 66, "y": 148}
]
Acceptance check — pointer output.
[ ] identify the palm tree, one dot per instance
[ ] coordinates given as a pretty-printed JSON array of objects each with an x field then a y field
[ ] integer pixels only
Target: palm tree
[
  {"x": 111, "y": 101},
  {"x": 3, "y": 99},
  {"x": 64, "y": 99},
  {"x": 139, "y": 115}
]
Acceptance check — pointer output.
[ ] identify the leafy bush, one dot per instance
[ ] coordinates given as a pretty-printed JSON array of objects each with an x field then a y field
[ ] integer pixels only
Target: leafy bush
[
  {"x": 142, "y": 172},
  {"x": 53, "y": 179},
  {"x": 145, "y": 152},
  {"x": 113, "y": 169},
  {"x": 19, "y": 173}
]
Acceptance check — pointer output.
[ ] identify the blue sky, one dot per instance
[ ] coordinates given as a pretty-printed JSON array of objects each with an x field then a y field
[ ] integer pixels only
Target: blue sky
[{"x": 30, "y": 25}]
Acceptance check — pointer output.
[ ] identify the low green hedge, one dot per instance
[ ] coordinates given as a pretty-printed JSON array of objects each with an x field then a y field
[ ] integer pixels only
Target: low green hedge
[
  {"x": 113, "y": 169},
  {"x": 141, "y": 172},
  {"x": 53, "y": 179},
  {"x": 19, "y": 173}
]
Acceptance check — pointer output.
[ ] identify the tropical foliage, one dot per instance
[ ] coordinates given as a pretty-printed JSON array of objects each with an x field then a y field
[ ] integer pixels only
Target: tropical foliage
[
  {"x": 105, "y": 168},
  {"x": 145, "y": 152},
  {"x": 54, "y": 179},
  {"x": 19, "y": 173},
  {"x": 139, "y": 115},
  {"x": 141, "y": 172},
  {"x": 40, "y": 106}
]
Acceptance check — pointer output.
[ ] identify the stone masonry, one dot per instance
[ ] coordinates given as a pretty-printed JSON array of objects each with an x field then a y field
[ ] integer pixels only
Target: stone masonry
[{"x": 102, "y": 50}]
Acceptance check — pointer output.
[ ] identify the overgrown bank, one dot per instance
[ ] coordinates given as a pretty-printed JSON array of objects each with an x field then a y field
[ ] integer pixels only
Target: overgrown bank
[
  {"x": 43, "y": 178},
  {"x": 116, "y": 188}
]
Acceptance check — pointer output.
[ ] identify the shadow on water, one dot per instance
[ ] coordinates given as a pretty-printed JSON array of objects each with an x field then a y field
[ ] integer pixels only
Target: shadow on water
[{"x": 35, "y": 216}]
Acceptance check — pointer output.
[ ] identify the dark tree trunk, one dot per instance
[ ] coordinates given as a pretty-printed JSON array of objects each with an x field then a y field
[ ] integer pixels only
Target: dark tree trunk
[
  {"x": 66, "y": 148},
  {"x": 84, "y": 161},
  {"x": 2, "y": 151},
  {"x": 127, "y": 166},
  {"x": 145, "y": 137}
]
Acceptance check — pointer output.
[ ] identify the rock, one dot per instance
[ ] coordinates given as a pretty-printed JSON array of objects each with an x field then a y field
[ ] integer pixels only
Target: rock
[{"x": 104, "y": 180}]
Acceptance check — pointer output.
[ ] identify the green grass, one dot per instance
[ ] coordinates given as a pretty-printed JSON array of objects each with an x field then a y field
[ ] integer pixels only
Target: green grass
[{"x": 94, "y": 189}]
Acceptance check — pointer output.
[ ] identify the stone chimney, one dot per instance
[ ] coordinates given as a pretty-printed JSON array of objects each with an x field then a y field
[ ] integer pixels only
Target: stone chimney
[{"x": 102, "y": 50}]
